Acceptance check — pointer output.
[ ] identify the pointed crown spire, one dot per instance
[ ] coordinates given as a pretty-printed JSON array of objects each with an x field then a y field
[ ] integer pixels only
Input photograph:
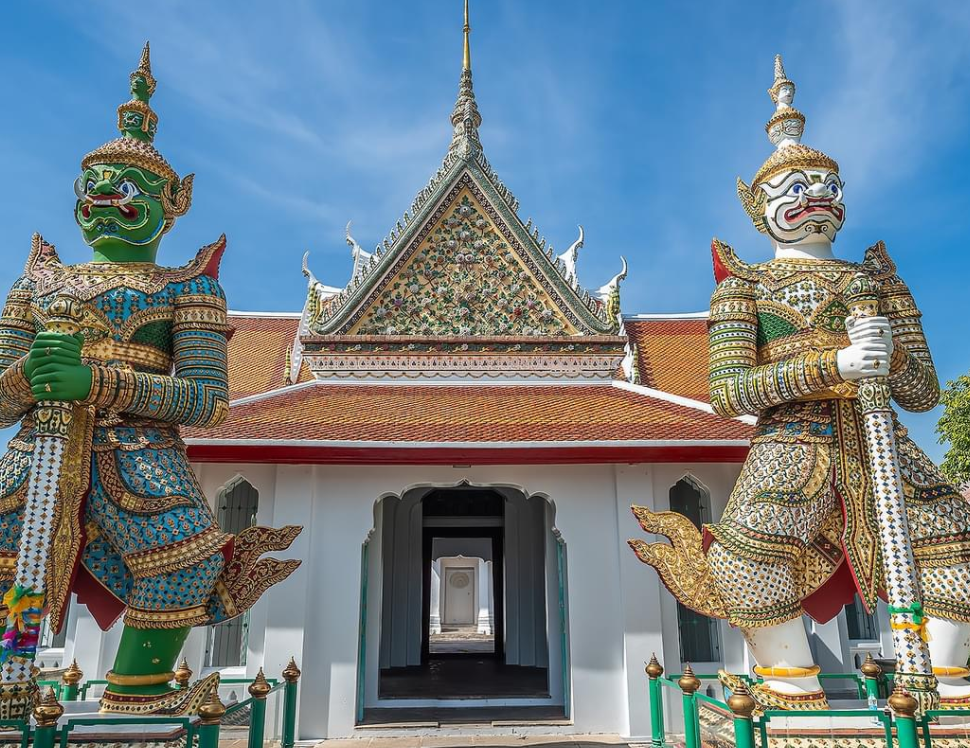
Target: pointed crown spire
[
  {"x": 785, "y": 130},
  {"x": 144, "y": 70},
  {"x": 136, "y": 119},
  {"x": 465, "y": 118},
  {"x": 780, "y": 80},
  {"x": 138, "y": 124}
]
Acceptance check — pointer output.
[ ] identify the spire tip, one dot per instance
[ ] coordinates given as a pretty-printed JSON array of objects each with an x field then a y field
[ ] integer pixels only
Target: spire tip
[{"x": 467, "y": 58}]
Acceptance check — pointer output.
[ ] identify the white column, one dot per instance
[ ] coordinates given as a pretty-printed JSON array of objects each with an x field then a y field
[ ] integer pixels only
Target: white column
[
  {"x": 435, "y": 597},
  {"x": 484, "y": 570},
  {"x": 289, "y": 629},
  {"x": 643, "y": 625},
  {"x": 513, "y": 559},
  {"x": 342, "y": 519},
  {"x": 490, "y": 591}
]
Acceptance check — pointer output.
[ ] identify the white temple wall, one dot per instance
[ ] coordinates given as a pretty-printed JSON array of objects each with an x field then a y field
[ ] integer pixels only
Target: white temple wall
[
  {"x": 618, "y": 612},
  {"x": 584, "y": 502}
]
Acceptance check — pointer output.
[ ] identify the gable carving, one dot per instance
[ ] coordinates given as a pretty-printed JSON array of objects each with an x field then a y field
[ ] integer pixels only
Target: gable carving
[{"x": 465, "y": 279}]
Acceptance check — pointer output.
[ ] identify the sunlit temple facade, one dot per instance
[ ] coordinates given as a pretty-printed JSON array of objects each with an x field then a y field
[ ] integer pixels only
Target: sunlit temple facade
[{"x": 461, "y": 429}]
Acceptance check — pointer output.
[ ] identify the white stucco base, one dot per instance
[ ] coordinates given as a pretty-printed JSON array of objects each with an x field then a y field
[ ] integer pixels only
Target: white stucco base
[{"x": 617, "y": 612}]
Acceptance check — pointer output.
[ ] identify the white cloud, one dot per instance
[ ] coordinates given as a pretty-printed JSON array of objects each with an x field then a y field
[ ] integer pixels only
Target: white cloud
[{"x": 889, "y": 105}]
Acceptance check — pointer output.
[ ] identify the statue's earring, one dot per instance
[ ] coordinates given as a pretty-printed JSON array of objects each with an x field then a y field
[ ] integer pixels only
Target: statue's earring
[{"x": 753, "y": 202}]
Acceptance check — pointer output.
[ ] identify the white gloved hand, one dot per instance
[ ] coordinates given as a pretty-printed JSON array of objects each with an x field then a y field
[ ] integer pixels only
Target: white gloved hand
[
  {"x": 871, "y": 349},
  {"x": 870, "y": 328}
]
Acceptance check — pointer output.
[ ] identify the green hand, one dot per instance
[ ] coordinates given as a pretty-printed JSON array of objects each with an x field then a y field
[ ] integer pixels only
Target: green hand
[{"x": 55, "y": 370}]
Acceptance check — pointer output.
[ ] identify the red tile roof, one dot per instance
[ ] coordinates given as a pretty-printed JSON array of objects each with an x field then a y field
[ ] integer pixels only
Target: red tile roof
[
  {"x": 469, "y": 413},
  {"x": 457, "y": 423},
  {"x": 257, "y": 353},
  {"x": 671, "y": 355}
]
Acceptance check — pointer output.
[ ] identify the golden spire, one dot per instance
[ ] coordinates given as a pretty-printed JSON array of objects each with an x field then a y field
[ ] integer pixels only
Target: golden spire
[
  {"x": 465, "y": 118},
  {"x": 467, "y": 59}
]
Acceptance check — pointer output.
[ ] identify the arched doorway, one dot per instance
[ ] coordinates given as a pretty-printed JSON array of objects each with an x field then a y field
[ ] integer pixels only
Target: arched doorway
[{"x": 501, "y": 547}]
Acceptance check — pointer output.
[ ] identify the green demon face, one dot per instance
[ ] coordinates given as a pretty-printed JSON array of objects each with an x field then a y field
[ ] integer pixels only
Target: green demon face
[
  {"x": 139, "y": 88},
  {"x": 119, "y": 209}
]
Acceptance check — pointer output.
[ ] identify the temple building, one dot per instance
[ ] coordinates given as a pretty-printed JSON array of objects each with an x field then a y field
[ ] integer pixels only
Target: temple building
[{"x": 461, "y": 429}]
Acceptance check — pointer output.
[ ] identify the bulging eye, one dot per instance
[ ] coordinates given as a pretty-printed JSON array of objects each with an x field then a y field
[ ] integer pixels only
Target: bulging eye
[
  {"x": 834, "y": 188},
  {"x": 797, "y": 188},
  {"x": 90, "y": 185},
  {"x": 128, "y": 188}
]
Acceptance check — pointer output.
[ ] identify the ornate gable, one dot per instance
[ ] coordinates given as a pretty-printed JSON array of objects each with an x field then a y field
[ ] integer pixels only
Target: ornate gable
[
  {"x": 464, "y": 277},
  {"x": 370, "y": 292},
  {"x": 462, "y": 288}
]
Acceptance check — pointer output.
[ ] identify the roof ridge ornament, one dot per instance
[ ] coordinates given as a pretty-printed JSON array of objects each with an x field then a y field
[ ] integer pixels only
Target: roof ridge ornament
[
  {"x": 609, "y": 296},
  {"x": 570, "y": 257},
  {"x": 362, "y": 259},
  {"x": 465, "y": 118}
]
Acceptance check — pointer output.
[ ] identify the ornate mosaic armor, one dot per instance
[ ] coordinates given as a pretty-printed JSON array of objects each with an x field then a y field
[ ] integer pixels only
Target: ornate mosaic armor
[
  {"x": 799, "y": 531},
  {"x": 136, "y": 534}
]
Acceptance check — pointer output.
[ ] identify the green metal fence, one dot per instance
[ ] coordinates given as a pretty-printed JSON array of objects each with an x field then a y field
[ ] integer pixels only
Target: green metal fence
[
  {"x": 50, "y": 727},
  {"x": 730, "y": 722}
]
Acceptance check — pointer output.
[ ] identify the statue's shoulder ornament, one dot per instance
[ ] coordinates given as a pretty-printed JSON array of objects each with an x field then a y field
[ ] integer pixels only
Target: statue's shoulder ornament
[
  {"x": 735, "y": 295},
  {"x": 728, "y": 265},
  {"x": 87, "y": 281},
  {"x": 205, "y": 263},
  {"x": 895, "y": 298},
  {"x": 43, "y": 263},
  {"x": 202, "y": 271},
  {"x": 878, "y": 264}
]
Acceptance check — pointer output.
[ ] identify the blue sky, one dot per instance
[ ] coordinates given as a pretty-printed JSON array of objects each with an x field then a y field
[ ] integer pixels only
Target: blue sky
[{"x": 632, "y": 118}]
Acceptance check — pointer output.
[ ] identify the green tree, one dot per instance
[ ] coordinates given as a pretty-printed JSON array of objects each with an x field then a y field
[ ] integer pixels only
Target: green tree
[{"x": 954, "y": 427}]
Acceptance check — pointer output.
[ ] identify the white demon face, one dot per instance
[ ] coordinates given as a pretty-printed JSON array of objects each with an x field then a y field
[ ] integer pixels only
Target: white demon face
[
  {"x": 786, "y": 94},
  {"x": 804, "y": 206}
]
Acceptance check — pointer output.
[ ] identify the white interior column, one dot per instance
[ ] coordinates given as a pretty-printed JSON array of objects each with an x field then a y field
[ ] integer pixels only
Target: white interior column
[
  {"x": 435, "y": 597},
  {"x": 484, "y": 619},
  {"x": 93, "y": 648},
  {"x": 490, "y": 583}
]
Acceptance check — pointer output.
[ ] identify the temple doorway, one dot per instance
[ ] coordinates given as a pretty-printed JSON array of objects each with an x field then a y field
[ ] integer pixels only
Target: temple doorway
[
  {"x": 471, "y": 603},
  {"x": 462, "y": 616}
]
